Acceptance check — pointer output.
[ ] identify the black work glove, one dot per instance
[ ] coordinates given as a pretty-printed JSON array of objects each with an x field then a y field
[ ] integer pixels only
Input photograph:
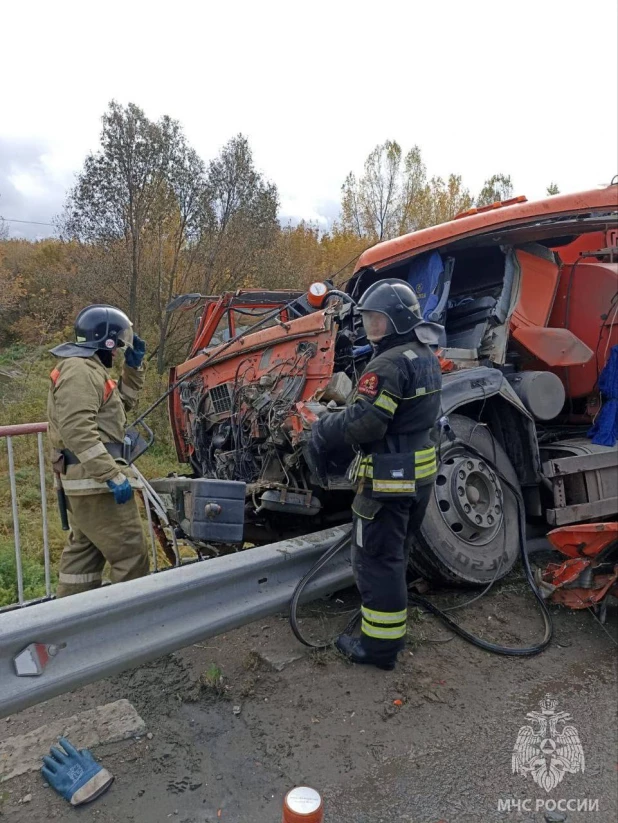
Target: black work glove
[{"x": 315, "y": 454}]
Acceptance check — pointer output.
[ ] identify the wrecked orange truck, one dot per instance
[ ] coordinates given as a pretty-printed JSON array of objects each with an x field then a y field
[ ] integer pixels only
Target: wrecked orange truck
[{"x": 527, "y": 294}]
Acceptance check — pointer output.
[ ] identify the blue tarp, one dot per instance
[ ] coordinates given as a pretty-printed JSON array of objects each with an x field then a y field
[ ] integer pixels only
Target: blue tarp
[
  {"x": 604, "y": 431},
  {"x": 424, "y": 276}
]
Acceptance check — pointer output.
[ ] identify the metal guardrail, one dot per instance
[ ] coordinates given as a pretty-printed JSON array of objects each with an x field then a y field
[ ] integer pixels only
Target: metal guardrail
[
  {"x": 8, "y": 433},
  {"x": 99, "y": 633}
]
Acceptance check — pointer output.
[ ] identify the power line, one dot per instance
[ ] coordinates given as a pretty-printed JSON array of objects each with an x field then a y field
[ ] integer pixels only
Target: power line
[{"x": 29, "y": 222}]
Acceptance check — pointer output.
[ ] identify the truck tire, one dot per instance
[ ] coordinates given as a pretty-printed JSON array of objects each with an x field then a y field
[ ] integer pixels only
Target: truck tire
[{"x": 469, "y": 534}]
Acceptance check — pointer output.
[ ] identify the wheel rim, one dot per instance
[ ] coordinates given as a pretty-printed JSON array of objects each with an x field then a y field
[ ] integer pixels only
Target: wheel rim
[{"x": 469, "y": 498}]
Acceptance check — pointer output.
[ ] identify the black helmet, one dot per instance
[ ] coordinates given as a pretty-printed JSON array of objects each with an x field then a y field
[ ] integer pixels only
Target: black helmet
[
  {"x": 103, "y": 327},
  {"x": 398, "y": 301},
  {"x": 98, "y": 328}
]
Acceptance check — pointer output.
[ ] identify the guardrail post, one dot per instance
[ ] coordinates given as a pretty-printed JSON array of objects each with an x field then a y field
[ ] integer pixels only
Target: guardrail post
[
  {"x": 20, "y": 575},
  {"x": 46, "y": 560}
]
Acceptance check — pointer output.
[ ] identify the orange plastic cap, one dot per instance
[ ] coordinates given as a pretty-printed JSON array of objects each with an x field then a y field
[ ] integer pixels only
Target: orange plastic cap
[
  {"x": 303, "y": 805},
  {"x": 316, "y": 294}
]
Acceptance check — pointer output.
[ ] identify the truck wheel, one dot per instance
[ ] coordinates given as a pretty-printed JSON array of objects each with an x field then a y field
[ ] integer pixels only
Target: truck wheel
[{"x": 469, "y": 534}]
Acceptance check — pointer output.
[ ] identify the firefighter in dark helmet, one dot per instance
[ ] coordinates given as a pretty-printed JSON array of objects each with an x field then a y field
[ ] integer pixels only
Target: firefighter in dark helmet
[
  {"x": 391, "y": 424},
  {"x": 86, "y": 413}
]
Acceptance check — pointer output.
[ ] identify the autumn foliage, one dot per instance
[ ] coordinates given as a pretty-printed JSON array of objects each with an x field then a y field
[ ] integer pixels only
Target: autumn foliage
[{"x": 148, "y": 219}]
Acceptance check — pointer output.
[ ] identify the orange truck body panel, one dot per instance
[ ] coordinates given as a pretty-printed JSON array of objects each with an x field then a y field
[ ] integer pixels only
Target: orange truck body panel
[
  {"x": 583, "y": 305},
  {"x": 560, "y": 205},
  {"x": 585, "y": 545},
  {"x": 539, "y": 282},
  {"x": 258, "y": 354},
  {"x": 566, "y": 318}
]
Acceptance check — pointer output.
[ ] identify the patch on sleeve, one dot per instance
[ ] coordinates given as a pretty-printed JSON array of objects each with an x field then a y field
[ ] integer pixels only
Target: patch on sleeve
[{"x": 369, "y": 384}]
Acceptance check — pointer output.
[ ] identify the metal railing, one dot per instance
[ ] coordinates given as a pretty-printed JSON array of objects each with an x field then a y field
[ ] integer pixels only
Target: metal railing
[
  {"x": 8, "y": 433},
  {"x": 152, "y": 504}
]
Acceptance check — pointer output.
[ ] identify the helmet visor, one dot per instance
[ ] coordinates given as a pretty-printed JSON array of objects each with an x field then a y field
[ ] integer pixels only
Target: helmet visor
[
  {"x": 125, "y": 338},
  {"x": 377, "y": 325}
]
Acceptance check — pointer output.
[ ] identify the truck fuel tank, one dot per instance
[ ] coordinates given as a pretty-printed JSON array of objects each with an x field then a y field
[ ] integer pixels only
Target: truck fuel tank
[{"x": 541, "y": 392}]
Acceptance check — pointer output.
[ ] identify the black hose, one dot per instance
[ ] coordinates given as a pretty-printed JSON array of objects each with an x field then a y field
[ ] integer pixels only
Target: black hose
[
  {"x": 298, "y": 591},
  {"x": 509, "y": 651},
  {"x": 525, "y": 651}
]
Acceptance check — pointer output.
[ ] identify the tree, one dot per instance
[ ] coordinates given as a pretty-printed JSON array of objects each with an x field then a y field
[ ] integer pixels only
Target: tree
[
  {"x": 552, "y": 189},
  {"x": 496, "y": 188},
  {"x": 37, "y": 294},
  {"x": 371, "y": 206},
  {"x": 413, "y": 191},
  {"x": 177, "y": 233},
  {"x": 240, "y": 217},
  {"x": 11, "y": 290},
  {"x": 394, "y": 197},
  {"x": 442, "y": 200},
  {"x": 118, "y": 189},
  {"x": 4, "y": 230}
]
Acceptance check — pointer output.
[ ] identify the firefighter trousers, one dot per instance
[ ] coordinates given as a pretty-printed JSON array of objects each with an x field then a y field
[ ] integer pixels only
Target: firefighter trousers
[
  {"x": 101, "y": 530},
  {"x": 380, "y": 551}
]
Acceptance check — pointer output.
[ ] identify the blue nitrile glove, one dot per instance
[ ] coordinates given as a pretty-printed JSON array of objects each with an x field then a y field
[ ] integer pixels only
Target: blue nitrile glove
[
  {"x": 133, "y": 356},
  {"x": 75, "y": 774},
  {"x": 121, "y": 488}
]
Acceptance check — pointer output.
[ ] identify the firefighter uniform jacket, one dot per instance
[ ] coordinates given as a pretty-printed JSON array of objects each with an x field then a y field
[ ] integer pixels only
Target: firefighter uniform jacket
[
  {"x": 86, "y": 410},
  {"x": 394, "y": 411},
  {"x": 390, "y": 423}
]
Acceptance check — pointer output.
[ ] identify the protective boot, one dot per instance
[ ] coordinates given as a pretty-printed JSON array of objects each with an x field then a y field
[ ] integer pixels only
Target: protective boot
[{"x": 353, "y": 649}]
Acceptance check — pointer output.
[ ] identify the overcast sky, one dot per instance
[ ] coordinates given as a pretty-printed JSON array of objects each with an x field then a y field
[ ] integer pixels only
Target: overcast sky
[{"x": 526, "y": 87}]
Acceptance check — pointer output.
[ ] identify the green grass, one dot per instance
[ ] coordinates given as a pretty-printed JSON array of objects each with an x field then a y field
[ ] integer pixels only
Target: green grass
[{"x": 23, "y": 399}]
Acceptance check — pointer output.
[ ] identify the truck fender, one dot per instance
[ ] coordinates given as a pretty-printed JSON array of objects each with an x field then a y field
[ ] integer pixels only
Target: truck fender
[{"x": 505, "y": 414}]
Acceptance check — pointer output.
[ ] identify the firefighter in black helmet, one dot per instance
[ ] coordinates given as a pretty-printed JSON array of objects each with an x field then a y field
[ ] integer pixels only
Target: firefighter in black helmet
[
  {"x": 391, "y": 424},
  {"x": 86, "y": 413}
]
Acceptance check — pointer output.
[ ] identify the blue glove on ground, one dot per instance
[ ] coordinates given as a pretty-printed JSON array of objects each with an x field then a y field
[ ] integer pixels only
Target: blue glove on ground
[
  {"x": 122, "y": 491},
  {"x": 75, "y": 774},
  {"x": 133, "y": 356}
]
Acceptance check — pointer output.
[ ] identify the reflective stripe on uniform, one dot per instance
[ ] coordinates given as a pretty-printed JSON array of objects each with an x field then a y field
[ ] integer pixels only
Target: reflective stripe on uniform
[
  {"x": 425, "y": 463},
  {"x": 394, "y": 486},
  {"x": 93, "y": 451},
  {"x": 382, "y": 632},
  {"x": 426, "y": 471},
  {"x": 87, "y": 483},
  {"x": 359, "y": 533},
  {"x": 365, "y": 468},
  {"x": 89, "y": 577},
  {"x": 424, "y": 454},
  {"x": 384, "y": 401},
  {"x": 384, "y": 617}
]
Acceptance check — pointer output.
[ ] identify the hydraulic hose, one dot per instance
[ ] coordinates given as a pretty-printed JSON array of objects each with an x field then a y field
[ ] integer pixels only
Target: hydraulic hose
[
  {"x": 495, "y": 648},
  {"x": 302, "y": 585}
]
